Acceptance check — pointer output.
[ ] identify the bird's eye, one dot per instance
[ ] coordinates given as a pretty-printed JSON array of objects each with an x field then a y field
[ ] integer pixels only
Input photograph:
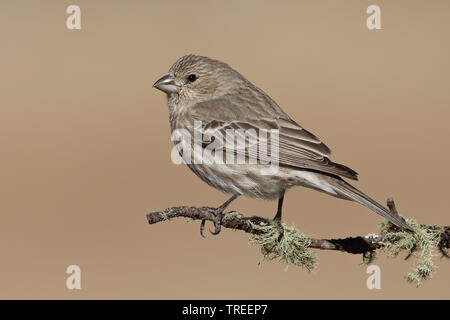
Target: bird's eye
[{"x": 192, "y": 77}]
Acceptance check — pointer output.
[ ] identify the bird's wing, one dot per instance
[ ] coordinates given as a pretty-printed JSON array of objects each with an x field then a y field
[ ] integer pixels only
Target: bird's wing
[{"x": 298, "y": 148}]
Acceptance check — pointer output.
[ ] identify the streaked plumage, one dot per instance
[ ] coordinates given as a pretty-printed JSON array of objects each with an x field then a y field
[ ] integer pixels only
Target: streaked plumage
[{"x": 223, "y": 99}]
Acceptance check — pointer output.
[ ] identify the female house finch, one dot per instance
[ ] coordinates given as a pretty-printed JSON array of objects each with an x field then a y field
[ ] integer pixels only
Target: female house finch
[{"x": 207, "y": 90}]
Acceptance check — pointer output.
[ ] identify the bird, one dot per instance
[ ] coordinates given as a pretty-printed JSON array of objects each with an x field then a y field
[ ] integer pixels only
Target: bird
[{"x": 218, "y": 98}]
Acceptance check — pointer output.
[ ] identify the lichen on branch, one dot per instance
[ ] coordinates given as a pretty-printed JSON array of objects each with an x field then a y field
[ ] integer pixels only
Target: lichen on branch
[{"x": 294, "y": 248}]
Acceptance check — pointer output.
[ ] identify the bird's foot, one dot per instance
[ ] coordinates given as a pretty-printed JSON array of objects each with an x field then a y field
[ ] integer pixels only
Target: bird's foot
[
  {"x": 218, "y": 215},
  {"x": 280, "y": 228}
]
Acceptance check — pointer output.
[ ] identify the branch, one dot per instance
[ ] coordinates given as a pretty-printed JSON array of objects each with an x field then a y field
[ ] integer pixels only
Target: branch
[
  {"x": 236, "y": 221},
  {"x": 293, "y": 247}
]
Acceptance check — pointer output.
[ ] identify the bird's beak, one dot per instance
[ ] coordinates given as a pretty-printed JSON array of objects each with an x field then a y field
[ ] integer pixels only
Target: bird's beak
[{"x": 166, "y": 84}]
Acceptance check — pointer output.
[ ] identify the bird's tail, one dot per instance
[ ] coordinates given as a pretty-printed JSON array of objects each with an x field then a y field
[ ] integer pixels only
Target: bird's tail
[{"x": 347, "y": 191}]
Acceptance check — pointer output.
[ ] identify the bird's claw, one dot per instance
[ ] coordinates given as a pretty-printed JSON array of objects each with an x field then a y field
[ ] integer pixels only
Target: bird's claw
[
  {"x": 217, "y": 226},
  {"x": 202, "y": 227},
  {"x": 218, "y": 215},
  {"x": 217, "y": 223}
]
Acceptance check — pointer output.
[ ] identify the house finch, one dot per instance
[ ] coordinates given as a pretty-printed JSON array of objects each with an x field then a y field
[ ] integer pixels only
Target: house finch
[{"x": 207, "y": 90}]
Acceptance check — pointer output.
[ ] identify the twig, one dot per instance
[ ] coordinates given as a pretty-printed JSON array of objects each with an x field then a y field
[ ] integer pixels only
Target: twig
[{"x": 236, "y": 221}]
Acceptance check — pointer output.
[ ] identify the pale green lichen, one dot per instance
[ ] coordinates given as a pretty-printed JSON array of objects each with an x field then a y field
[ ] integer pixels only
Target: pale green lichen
[
  {"x": 163, "y": 216},
  {"x": 420, "y": 244},
  {"x": 292, "y": 248},
  {"x": 231, "y": 215}
]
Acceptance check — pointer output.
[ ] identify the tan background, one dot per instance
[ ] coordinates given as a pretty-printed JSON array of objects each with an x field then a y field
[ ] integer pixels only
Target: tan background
[{"x": 85, "y": 147}]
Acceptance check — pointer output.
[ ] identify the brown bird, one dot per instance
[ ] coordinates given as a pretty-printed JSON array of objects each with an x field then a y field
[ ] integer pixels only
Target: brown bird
[{"x": 209, "y": 91}]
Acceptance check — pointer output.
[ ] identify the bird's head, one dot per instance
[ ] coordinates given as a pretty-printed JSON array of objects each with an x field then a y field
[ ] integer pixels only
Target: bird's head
[{"x": 195, "y": 79}]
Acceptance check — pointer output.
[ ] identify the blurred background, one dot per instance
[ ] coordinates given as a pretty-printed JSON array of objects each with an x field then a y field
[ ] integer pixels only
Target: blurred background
[{"x": 85, "y": 143}]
